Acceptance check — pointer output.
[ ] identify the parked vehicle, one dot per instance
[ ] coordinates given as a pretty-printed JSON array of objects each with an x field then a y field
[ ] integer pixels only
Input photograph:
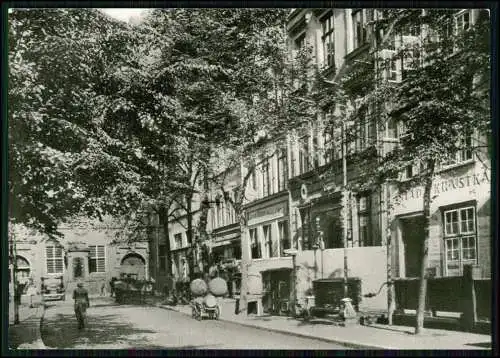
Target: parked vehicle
[
  {"x": 53, "y": 288},
  {"x": 129, "y": 290}
]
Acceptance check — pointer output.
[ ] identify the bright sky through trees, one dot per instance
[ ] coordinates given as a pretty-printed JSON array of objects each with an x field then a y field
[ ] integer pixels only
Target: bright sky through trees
[{"x": 123, "y": 14}]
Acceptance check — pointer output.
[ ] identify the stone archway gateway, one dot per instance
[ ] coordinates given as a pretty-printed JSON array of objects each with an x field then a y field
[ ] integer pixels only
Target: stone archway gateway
[
  {"x": 133, "y": 265},
  {"x": 23, "y": 271}
]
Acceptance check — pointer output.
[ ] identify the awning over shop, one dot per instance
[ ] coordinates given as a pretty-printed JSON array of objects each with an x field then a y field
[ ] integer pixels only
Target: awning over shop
[{"x": 277, "y": 269}]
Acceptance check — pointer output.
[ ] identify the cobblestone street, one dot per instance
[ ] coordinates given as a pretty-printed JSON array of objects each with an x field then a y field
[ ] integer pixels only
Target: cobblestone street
[{"x": 143, "y": 327}]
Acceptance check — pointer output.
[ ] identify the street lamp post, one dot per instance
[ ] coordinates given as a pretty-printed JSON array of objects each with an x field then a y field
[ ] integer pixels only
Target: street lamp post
[{"x": 344, "y": 178}]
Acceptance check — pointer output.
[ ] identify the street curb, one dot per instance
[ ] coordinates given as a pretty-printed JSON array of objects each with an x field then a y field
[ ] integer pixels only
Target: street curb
[{"x": 349, "y": 344}]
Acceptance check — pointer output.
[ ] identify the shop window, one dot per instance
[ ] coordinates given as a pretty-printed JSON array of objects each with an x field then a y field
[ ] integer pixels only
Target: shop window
[
  {"x": 365, "y": 235},
  {"x": 237, "y": 252},
  {"x": 97, "y": 258},
  {"x": 162, "y": 254},
  {"x": 460, "y": 239},
  {"x": 272, "y": 248},
  {"x": 332, "y": 236},
  {"x": 284, "y": 237},
  {"x": 255, "y": 244},
  {"x": 54, "y": 259}
]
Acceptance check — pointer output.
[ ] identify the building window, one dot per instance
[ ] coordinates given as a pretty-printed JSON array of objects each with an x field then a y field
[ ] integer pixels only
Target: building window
[
  {"x": 255, "y": 244},
  {"x": 365, "y": 237},
  {"x": 304, "y": 155},
  {"x": 284, "y": 237},
  {"x": 178, "y": 240},
  {"x": 97, "y": 258},
  {"x": 254, "y": 180},
  {"x": 328, "y": 145},
  {"x": 359, "y": 28},
  {"x": 328, "y": 40},
  {"x": 266, "y": 179},
  {"x": 392, "y": 129},
  {"x": 463, "y": 155},
  {"x": 282, "y": 170},
  {"x": 162, "y": 253},
  {"x": 316, "y": 152},
  {"x": 460, "y": 239},
  {"x": 300, "y": 42},
  {"x": 462, "y": 21},
  {"x": 237, "y": 251},
  {"x": 54, "y": 259},
  {"x": 391, "y": 69}
]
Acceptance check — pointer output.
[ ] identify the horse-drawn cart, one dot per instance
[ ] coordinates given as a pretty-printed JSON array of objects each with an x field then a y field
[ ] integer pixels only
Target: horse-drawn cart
[{"x": 129, "y": 290}]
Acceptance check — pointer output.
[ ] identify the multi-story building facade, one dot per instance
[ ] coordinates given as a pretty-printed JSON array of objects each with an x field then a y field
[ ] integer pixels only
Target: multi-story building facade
[
  {"x": 324, "y": 219},
  {"x": 85, "y": 253},
  {"x": 460, "y": 224}
]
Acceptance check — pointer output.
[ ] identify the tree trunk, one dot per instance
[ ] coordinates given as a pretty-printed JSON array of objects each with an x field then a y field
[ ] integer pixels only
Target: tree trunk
[
  {"x": 17, "y": 296},
  {"x": 390, "y": 284},
  {"x": 202, "y": 229},
  {"x": 192, "y": 245},
  {"x": 163, "y": 217},
  {"x": 422, "y": 293},
  {"x": 244, "y": 267}
]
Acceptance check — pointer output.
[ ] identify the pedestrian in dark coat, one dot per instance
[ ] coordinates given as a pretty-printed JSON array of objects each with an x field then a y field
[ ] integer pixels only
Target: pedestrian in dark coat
[
  {"x": 81, "y": 297},
  {"x": 112, "y": 285}
]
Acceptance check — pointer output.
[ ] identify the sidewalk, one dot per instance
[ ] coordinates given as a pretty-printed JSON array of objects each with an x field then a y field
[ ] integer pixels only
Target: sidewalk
[
  {"x": 376, "y": 336},
  {"x": 26, "y": 334}
]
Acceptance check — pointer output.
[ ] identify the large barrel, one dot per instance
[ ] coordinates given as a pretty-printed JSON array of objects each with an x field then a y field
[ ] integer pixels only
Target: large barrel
[
  {"x": 210, "y": 300},
  {"x": 198, "y": 287},
  {"x": 217, "y": 286}
]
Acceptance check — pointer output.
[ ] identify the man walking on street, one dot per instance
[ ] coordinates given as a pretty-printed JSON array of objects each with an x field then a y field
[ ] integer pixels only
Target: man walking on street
[{"x": 81, "y": 297}]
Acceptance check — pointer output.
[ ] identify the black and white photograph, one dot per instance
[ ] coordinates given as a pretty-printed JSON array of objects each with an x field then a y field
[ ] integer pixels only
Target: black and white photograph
[{"x": 249, "y": 178}]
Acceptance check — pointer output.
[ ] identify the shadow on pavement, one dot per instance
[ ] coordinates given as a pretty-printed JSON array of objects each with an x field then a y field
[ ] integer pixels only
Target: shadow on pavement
[
  {"x": 311, "y": 322},
  {"x": 60, "y": 331}
]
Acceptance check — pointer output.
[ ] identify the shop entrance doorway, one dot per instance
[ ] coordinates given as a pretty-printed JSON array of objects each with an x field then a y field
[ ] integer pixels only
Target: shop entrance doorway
[
  {"x": 412, "y": 229},
  {"x": 277, "y": 289}
]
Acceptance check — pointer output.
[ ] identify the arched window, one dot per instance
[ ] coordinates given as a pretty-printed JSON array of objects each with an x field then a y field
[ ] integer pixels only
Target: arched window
[{"x": 23, "y": 268}]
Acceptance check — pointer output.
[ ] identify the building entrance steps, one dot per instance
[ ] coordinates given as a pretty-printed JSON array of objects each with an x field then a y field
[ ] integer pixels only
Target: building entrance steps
[{"x": 375, "y": 336}]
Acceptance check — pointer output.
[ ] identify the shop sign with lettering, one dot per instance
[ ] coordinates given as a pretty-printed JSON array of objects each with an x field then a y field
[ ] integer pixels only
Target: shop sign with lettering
[
  {"x": 268, "y": 213},
  {"x": 443, "y": 186}
]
